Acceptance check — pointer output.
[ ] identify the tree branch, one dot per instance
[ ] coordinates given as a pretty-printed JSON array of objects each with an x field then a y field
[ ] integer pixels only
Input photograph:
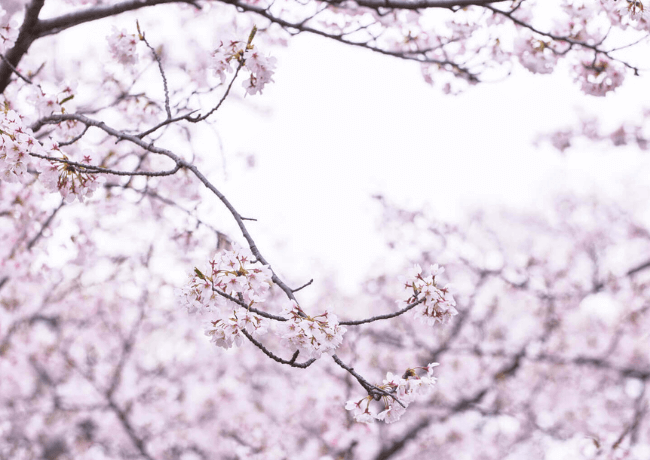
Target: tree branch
[{"x": 26, "y": 37}]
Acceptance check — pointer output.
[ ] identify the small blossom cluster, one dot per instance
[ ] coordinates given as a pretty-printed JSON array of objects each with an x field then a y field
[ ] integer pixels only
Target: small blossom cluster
[
  {"x": 312, "y": 336},
  {"x": 401, "y": 391},
  {"x": 227, "y": 330},
  {"x": 8, "y": 32},
  {"x": 17, "y": 142},
  {"x": 70, "y": 181},
  {"x": 54, "y": 102},
  {"x": 598, "y": 76},
  {"x": 122, "y": 46},
  {"x": 232, "y": 52},
  {"x": 535, "y": 55},
  {"x": 633, "y": 8},
  {"x": 261, "y": 68},
  {"x": 233, "y": 274},
  {"x": 437, "y": 304}
]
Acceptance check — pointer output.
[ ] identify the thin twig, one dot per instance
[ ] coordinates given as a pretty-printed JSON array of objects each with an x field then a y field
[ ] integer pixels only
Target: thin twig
[
  {"x": 162, "y": 73},
  {"x": 223, "y": 98},
  {"x": 14, "y": 70},
  {"x": 304, "y": 285}
]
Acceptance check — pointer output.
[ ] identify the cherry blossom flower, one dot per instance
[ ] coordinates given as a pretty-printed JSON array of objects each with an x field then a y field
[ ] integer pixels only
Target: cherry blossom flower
[
  {"x": 312, "y": 336},
  {"x": 598, "y": 76},
  {"x": 122, "y": 46},
  {"x": 400, "y": 393},
  {"x": 232, "y": 273},
  {"x": 534, "y": 54},
  {"x": 8, "y": 32},
  {"x": 262, "y": 69},
  {"x": 226, "y": 331},
  {"x": 437, "y": 303}
]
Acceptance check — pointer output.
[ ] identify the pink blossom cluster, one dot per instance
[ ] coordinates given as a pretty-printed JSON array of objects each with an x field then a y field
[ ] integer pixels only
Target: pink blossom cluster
[
  {"x": 55, "y": 102},
  {"x": 227, "y": 330},
  {"x": 8, "y": 31},
  {"x": 437, "y": 304},
  {"x": 233, "y": 273},
  {"x": 534, "y": 54},
  {"x": 598, "y": 76},
  {"x": 235, "y": 282},
  {"x": 312, "y": 336},
  {"x": 70, "y": 181},
  {"x": 232, "y": 52},
  {"x": 401, "y": 391},
  {"x": 261, "y": 68},
  {"x": 122, "y": 46},
  {"x": 17, "y": 143}
]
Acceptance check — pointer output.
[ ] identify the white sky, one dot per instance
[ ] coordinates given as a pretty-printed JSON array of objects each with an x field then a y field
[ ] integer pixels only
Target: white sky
[{"x": 347, "y": 123}]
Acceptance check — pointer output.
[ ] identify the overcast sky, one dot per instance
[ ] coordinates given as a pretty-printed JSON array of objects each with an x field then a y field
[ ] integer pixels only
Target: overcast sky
[{"x": 344, "y": 124}]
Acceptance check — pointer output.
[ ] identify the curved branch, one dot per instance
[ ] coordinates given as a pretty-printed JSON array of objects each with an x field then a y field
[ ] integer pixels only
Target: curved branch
[
  {"x": 387, "y": 316},
  {"x": 420, "y": 4},
  {"x": 98, "y": 169},
  {"x": 276, "y": 358},
  {"x": 417, "y": 55},
  {"x": 56, "y": 25},
  {"x": 250, "y": 308}
]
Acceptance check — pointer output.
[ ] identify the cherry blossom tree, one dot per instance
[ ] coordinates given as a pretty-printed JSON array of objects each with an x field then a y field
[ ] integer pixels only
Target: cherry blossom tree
[{"x": 115, "y": 283}]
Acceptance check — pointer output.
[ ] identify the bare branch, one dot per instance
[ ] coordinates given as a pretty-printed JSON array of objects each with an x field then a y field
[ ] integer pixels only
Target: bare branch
[
  {"x": 249, "y": 307},
  {"x": 276, "y": 358},
  {"x": 387, "y": 316},
  {"x": 304, "y": 285},
  {"x": 162, "y": 73},
  {"x": 26, "y": 37}
]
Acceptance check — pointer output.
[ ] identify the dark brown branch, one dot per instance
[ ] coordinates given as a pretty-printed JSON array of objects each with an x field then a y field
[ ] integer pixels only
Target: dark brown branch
[
  {"x": 380, "y": 317},
  {"x": 56, "y": 25},
  {"x": 276, "y": 358},
  {"x": 416, "y": 55},
  {"x": 22, "y": 77},
  {"x": 421, "y": 4},
  {"x": 376, "y": 393},
  {"x": 638, "y": 268},
  {"x": 26, "y": 37},
  {"x": 399, "y": 444},
  {"x": 46, "y": 224},
  {"x": 98, "y": 169},
  {"x": 248, "y": 307}
]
